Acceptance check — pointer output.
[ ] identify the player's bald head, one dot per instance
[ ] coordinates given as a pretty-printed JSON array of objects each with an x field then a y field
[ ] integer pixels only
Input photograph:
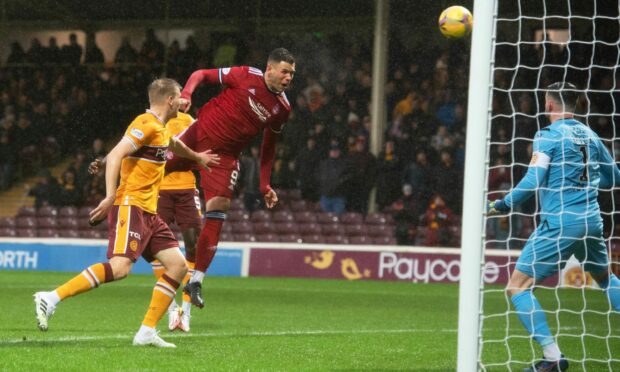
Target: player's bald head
[
  {"x": 564, "y": 94},
  {"x": 160, "y": 89}
]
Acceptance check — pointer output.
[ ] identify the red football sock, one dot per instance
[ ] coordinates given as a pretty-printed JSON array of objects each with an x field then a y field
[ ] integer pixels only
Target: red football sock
[{"x": 208, "y": 240}]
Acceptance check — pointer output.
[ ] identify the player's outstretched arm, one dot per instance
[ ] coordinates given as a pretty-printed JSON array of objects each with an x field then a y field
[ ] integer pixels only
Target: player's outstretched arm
[
  {"x": 203, "y": 159},
  {"x": 112, "y": 170},
  {"x": 210, "y": 76},
  {"x": 267, "y": 154}
]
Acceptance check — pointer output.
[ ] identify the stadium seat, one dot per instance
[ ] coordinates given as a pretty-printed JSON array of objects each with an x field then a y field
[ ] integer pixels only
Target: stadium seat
[
  {"x": 298, "y": 205},
  {"x": 47, "y": 223},
  {"x": 351, "y": 218},
  {"x": 313, "y": 239},
  {"x": 327, "y": 217},
  {"x": 236, "y": 205},
  {"x": 304, "y": 216},
  {"x": 310, "y": 228},
  {"x": 282, "y": 216},
  {"x": 8, "y": 232},
  {"x": 26, "y": 211},
  {"x": 362, "y": 240},
  {"x": 336, "y": 239},
  {"x": 287, "y": 228},
  {"x": 47, "y": 211},
  {"x": 227, "y": 228},
  {"x": 355, "y": 230},
  {"x": 26, "y": 222},
  {"x": 384, "y": 240},
  {"x": 332, "y": 229},
  {"x": 420, "y": 237},
  {"x": 47, "y": 233},
  {"x": 242, "y": 227},
  {"x": 267, "y": 238},
  {"x": 68, "y": 212},
  {"x": 378, "y": 219},
  {"x": 226, "y": 237},
  {"x": 237, "y": 215},
  {"x": 7, "y": 222},
  {"x": 92, "y": 234},
  {"x": 27, "y": 233},
  {"x": 85, "y": 211},
  {"x": 265, "y": 227},
  {"x": 294, "y": 194},
  {"x": 290, "y": 238},
  {"x": 244, "y": 238},
  {"x": 261, "y": 216},
  {"x": 380, "y": 230},
  {"x": 103, "y": 225},
  {"x": 69, "y": 233}
]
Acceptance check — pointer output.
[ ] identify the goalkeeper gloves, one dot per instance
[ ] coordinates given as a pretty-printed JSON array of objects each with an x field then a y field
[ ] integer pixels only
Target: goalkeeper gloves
[{"x": 496, "y": 207}]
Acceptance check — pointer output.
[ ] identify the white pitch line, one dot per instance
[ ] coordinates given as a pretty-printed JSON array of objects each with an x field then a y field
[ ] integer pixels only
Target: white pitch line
[{"x": 223, "y": 335}]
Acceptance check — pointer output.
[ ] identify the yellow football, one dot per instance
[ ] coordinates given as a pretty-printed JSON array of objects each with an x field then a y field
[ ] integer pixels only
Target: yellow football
[{"x": 456, "y": 21}]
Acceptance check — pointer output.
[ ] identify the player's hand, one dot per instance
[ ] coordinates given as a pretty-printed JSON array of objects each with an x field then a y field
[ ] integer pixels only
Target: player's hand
[
  {"x": 97, "y": 215},
  {"x": 491, "y": 211},
  {"x": 271, "y": 198},
  {"x": 206, "y": 159},
  {"x": 94, "y": 166},
  {"x": 185, "y": 104}
]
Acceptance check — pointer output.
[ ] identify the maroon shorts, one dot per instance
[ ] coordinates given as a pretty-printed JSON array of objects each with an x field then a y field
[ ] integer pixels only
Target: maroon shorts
[
  {"x": 133, "y": 232},
  {"x": 180, "y": 206},
  {"x": 222, "y": 178}
]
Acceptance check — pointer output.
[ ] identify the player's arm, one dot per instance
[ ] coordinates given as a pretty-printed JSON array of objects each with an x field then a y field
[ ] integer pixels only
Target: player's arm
[
  {"x": 533, "y": 179},
  {"x": 203, "y": 159},
  {"x": 198, "y": 77},
  {"x": 124, "y": 148},
  {"x": 267, "y": 154},
  {"x": 610, "y": 174}
]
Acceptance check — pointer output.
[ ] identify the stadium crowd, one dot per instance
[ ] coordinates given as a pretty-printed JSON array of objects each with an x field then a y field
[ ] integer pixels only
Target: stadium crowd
[{"x": 60, "y": 102}]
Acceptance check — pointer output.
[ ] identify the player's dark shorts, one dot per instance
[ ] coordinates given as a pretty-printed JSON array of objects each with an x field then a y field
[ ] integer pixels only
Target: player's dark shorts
[
  {"x": 133, "y": 232},
  {"x": 180, "y": 206},
  {"x": 222, "y": 178}
]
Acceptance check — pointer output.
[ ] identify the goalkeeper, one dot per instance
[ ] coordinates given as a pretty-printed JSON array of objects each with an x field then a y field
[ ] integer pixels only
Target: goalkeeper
[{"x": 569, "y": 164}]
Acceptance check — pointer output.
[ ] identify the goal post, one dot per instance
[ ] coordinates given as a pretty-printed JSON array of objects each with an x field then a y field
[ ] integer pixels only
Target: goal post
[{"x": 478, "y": 123}]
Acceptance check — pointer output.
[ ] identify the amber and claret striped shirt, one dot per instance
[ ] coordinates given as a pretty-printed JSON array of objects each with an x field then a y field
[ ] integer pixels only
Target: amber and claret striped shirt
[
  {"x": 179, "y": 180},
  {"x": 143, "y": 171}
]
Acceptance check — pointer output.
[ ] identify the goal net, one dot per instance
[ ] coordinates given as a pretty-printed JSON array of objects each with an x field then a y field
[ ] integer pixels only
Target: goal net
[{"x": 537, "y": 43}]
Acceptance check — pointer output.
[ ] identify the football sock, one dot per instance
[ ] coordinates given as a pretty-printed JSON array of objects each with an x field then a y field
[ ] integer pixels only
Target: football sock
[
  {"x": 186, "y": 279},
  {"x": 88, "y": 279},
  {"x": 158, "y": 269},
  {"x": 552, "y": 352},
  {"x": 612, "y": 290},
  {"x": 163, "y": 294},
  {"x": 207, "y": 242},
  {"x": 198, "y": 276},
  {"x": 531, "y": 314}
]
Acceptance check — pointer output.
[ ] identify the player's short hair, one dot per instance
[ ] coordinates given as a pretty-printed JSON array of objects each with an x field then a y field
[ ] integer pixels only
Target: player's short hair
[
  {"x": 281, "y": 55},
  {"x": 565, "y": 94},
  {"x": 160, "y": 89}
]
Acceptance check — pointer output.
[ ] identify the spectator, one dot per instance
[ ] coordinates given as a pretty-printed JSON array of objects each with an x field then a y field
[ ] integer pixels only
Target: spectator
[
  {"x": 72, "y": 53},
  {"x": 46, "y": 191},
  {"x": 406, "y": 214},
  {"x": 250, "y": 177},
  {"x": 153, "y": 49},
  {"x": 7, "y": 161},
  {"x": 448, "y": 178},
  {"x": 438, "y": 218},
  {"x": 53, "y": 54},
  {"x": 364, "y": 166},
  {"x": 36, "y": 53},
  {"x": 283, "y": 170},
  {"x": 93, "y": 53},
  {"x": 388, "y": 170},
  {"x": 69, "y": 191},
  {"x": 126, "y": 53},
  {"x": 420, "y": 176},
  {"x": 225, "y": 54},
  {"x": 17, "y": 54},
  {"x": 307, "y": 166},
  {"x": 333, "y": 178}
]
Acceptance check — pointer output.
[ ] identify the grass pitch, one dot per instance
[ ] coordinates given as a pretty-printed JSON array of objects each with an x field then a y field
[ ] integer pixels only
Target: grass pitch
[{"x": 279, "y": 324}]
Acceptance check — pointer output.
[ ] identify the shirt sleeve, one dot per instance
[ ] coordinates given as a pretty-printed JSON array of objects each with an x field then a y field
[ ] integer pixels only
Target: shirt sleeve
[
  {"x": 139, "y": 134},
  {"x": 544, "y": 147},
  {"x": 231, "y": 76}
]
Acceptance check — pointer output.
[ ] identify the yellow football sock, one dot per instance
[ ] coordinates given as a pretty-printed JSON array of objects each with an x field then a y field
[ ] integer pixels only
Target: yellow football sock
[
  {"x": 88, "y": 279},
  {"x": 163, "y": 294}
]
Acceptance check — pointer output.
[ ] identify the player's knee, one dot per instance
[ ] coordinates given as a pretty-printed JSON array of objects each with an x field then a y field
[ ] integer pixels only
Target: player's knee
[
  {"x": 121, "y": 266},
  {"x": 177, "y": 269}
]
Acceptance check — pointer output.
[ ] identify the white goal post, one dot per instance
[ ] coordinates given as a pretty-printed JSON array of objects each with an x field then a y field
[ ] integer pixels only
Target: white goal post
[{"x": 478, "y": 122}]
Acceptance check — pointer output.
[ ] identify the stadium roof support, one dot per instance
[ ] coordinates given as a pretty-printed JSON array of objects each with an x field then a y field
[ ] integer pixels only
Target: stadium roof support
[{"x": 379, "y": 71}]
